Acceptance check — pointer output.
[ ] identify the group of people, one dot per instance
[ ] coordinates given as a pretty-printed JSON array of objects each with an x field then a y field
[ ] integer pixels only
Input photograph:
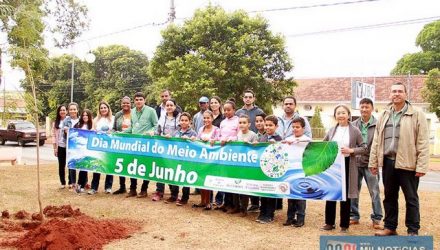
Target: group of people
[{"x": 397, "y": 142}]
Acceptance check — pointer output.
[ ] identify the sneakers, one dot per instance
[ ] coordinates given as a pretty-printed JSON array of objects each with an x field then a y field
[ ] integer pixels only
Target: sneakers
[
  {"x": 298, "y": 223},
  {"x": 327, "y": 227},
  {"x": 180, "y": 202},
  {"x": 344, "y": 230},
  {"x": 92, "y": 191},
  {"x": 254, "y": 209},
  {"x": 131, "y": 193},
  {"x": 157, "y": 196},
  {"x": 142, "y": 194},
  {"x": 108, "y": 191},
  {"x": 62, "y": 186},
  {"x": 266, "y": 220},
  {"x": 171, "y": 200},
  {"x": 120, "y": 191}
]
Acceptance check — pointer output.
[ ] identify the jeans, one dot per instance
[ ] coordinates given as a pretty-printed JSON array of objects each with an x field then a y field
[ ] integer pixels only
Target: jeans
[
  {"x": 62, "y": 165},
  {"x": 296, "y": 209},
  {"x": 82, "y": 178},
  {"x": 108, "y": 181},
  {"x": 133, "y": 184},
  {"x": 219, "y": 197},
  {"x": 373, "y": 187},
  {"x": 267, "y": 208},
  {"x": 394, "y": 179},
  {"x": 122, "y": 183}
]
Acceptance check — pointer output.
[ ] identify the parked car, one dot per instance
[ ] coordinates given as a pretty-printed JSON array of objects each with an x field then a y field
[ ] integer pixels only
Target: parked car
[{"x": 21, "y": 132}]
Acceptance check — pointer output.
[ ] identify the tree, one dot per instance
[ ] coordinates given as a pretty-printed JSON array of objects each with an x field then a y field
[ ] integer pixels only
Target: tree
[
  {"x": 219, "y": 53},
  {"x": 316, "y": 124},
  {"x": 429, "y": 58},
  {"x": 430, "y": 91},
  {"x": 117, "y": 71}
]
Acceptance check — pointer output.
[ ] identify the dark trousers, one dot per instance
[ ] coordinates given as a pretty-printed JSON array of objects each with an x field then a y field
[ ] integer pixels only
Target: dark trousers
[
  {"x": 122, "y": 183},
  {"x": 228, "y": 200},
  {"x": 62, "y": 168},
  {"x": 133, "y": 185},
  {"x": 296, "y": 209},
  {"x": 219, "y": 197},
  {"x": 255, "y": 200},
  {"x": 62, "y": 165},
  {"x": 174, "y": 191},
  {"x": 82, "y": 178},
  {"x": 330, "y": 206},
  {"x": 279, "y": 204},
  {"x": 267, "y": 208},
  {"x": 160, "y": 187},
  {"x": 244, "y": 202},
  {"x": 393, "y": 179},
  {"x": 108, "y": 181}
]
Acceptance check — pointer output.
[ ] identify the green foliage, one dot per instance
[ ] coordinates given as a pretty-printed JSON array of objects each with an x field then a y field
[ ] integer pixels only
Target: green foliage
[
  {"x": 315, "y": 121},
  {"x": 429, "y": 58},
  {"x": 318, "y": 157},
  {"x": 431, "y": 91},
  {"x": 117, "y": 71},
  {"x": 219, "y": 53}
]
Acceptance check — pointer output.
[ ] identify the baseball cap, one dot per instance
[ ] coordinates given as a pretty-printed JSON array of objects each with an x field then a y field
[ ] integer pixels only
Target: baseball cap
[{"x": 204, "y": 99}]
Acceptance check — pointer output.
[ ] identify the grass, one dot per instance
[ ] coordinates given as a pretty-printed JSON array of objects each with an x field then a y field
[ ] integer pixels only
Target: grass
[{"x": 167, "y": 226}]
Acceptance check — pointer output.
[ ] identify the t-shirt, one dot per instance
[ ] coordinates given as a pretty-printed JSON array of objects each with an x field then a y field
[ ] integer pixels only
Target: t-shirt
[
  {"x": 342, "y": 136},
  {"x": 250, "y": 136},
  {"x": 104, "y": 124}
]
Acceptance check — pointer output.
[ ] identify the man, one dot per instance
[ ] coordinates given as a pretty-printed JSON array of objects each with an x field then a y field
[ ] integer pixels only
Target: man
[
  {"x": 143, "y": 122},
  {"x": 198, "y": 118},
  {"x": 296, "y": 212},
  {"x": 249, "y": 108},
  {"x": 367, "y": 124},
  {"x": 122, "y": 123},
  {"x": 400, "y": 146},
  {"x": 285, "y": 122},
  {"x": 165, "y": 95},
  {"x": 252, "y": 111}
]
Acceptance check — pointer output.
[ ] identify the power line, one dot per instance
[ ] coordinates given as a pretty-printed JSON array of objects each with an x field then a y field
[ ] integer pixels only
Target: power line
[
  {"x": 371, "y": 26},
  {"x": 312, "y": 6},
  {"x": 122, "y": 31}
]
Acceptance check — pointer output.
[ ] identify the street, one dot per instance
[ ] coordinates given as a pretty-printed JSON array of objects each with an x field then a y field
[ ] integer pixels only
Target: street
[{"x": 430, "y": 182}]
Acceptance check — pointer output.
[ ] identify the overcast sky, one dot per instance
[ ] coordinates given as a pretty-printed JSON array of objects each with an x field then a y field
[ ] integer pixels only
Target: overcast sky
[{"x": 364, "y": 52}]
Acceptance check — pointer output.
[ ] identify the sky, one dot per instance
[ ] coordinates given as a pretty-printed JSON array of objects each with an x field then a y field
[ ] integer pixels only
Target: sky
[{"x": 363, "y": 52}]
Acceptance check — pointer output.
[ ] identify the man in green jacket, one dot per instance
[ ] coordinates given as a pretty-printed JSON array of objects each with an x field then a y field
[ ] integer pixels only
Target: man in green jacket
[
  {"x": 400, "y": 146},
  {"x": 143, "y": 122}
]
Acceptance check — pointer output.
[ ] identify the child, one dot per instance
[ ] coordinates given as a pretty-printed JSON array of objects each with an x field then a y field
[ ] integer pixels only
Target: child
[
  {"x": 209, "y": 133},
  {"x": 244, "y": 135},
  {"x": 296, "y": 208},
  {"x": 185, "y": 132},
  {"x": 259, "y": 124},
  {"x": 228, "y": 132},
  {"x": 267, "y": 209}
]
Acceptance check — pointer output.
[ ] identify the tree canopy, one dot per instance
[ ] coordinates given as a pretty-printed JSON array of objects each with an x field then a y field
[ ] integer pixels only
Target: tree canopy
[
  {"x": 219, "y": 53},
  {"x": 116, "y": 72},
  {"x": 431, "y": 91},
  {"x": 429, "y": 58}
]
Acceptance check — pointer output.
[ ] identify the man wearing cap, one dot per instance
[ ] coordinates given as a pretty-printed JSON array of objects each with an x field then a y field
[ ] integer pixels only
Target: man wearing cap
[{"x": 198, "y": 118}]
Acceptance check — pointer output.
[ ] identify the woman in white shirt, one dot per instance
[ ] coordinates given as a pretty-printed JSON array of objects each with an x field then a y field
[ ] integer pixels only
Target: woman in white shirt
[
  {"x": 103, "y": 123},
  {"x": 59, "y": 145},
  {"x": 350, "y": 141},
  {"x": 68, "y": 123}
]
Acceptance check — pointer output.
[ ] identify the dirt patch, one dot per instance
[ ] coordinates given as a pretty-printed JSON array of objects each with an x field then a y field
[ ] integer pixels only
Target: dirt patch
[
  {"x": 5, "y": 214},
  {"x": 67, "y": 229},
  {"x": 21, "y": 215}
]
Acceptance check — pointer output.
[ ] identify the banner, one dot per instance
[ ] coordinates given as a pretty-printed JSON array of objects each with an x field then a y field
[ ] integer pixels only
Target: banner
[{"x": 304, "y": 170}]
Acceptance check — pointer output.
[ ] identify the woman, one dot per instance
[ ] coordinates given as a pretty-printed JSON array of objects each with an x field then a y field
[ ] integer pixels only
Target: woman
[
  {"x": 167, "y": 125},
  {"x": 68, "y": 123},
  {"x": 208, "y": 133},
  {"x": 59, "y": 145},
  {"x": 350, "y": 141},
  {"x": 103, "y": 123},
  {"x": 85, "y": 122},
  {"x": 215, "y": 105}
]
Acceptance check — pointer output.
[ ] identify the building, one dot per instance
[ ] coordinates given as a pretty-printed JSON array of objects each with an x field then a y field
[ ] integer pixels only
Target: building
[{"x": 326, "y": 93}]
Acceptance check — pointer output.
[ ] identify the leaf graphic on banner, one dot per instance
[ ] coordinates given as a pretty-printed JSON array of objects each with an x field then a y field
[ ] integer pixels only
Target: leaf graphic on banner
[{"x": 318, "y": 157}]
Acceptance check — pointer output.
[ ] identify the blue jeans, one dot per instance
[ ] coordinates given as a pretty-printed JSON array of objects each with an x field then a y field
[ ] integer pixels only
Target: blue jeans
[{"x": 373, "y": 187}]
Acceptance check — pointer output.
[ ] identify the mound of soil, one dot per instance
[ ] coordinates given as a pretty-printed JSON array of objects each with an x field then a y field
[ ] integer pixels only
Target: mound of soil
[{"x": 67, "y": 229}]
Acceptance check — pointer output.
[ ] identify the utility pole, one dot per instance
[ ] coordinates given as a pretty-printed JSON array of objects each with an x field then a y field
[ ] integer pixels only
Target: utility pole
[{"x": 172, "y": 14}]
